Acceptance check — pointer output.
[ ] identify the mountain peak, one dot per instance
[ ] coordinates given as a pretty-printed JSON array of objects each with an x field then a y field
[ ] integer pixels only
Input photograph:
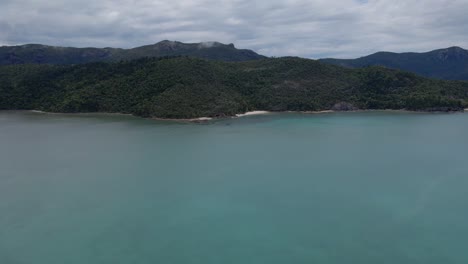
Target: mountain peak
[
  {"x": 452, "y": 53},
  {"x": 455, "y": 48}
]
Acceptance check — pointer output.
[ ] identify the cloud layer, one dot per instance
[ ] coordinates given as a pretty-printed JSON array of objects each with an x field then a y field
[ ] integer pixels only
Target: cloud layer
[{"x": 307, "y": 28}]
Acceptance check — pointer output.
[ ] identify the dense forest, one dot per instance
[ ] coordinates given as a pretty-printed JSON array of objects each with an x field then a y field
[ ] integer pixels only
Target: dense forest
[{"x": 186, "y": 87}]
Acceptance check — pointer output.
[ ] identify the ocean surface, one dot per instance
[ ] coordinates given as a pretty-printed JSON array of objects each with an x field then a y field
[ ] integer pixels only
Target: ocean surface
[{"x": 371, "y": 187}]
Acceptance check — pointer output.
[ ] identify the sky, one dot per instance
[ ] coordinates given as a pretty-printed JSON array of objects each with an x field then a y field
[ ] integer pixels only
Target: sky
[{"x": 305, "y": 28}]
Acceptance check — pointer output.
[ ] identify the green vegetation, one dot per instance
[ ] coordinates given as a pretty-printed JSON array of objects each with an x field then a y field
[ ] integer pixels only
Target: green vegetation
[
  {"x": 446, "y": 64},
  {"x": 184, "y": 87}
]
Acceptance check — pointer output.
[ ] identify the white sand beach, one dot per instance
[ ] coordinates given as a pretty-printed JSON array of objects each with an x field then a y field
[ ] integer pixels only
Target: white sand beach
[
  {"x": 253, "y": 113},
  {"x": 38, "y": 111},
  {"x": 202, "y": 119}
]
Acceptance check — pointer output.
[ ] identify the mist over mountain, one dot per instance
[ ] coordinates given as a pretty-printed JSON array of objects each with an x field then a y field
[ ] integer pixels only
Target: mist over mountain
[{"x": 450, "y": 63}]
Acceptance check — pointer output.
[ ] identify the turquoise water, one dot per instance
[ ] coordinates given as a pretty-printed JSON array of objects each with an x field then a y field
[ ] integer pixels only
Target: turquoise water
[{"x": 372, "y": 187}]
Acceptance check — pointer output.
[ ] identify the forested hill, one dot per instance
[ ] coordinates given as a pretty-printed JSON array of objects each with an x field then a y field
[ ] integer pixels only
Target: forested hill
[
  {"x": 448, "y": 64},
  {"x": 41, "y": 54},
  {"x": 185, "y": 87}
]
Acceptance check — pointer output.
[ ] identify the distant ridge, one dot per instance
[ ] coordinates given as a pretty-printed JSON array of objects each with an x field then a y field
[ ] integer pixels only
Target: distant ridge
[
  {"x": 42, "y": 54},
  {"x": 449, "y": 64}
]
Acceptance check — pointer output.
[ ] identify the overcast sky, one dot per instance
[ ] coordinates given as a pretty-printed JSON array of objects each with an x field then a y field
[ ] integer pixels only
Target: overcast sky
[{"x": 306, "y": 28}]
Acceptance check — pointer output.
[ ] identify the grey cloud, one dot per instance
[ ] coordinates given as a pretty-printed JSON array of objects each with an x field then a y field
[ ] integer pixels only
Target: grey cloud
[{"x": 308, "y": 28}]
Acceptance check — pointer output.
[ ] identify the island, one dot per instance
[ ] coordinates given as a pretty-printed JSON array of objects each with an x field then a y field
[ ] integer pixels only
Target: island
[{"x": 185, "y": 87}]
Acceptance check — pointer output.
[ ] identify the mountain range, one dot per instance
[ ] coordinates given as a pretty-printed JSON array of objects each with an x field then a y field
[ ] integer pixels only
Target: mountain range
[
  {"x": 42, "y": 54},
  {"x": 448, "y": 64}
]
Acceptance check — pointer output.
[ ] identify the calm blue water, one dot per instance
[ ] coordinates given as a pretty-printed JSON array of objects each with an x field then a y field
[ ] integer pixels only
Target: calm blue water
[{"x": 282, "y": 188}]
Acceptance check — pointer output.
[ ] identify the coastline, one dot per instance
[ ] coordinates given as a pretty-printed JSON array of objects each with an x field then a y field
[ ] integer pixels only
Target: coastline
[
  {"x": 264, "y": 112},
  {"x": 315, "y": 112},
  {"x": 194, "y": 120},
  {"x": 198, "y": 119},
  {"x": 246, "y": 114},
  {"x": 80, "y": 113}
]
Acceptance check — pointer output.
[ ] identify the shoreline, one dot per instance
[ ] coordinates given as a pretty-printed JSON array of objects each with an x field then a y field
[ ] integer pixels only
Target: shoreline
[
  {"x": 198, "y": 119},
  {"x": 246, "y": 114},
  {"x": 194, "y": 120},
  {"x": 316, "y": 112},
  {"x": 79, "y": 113}
]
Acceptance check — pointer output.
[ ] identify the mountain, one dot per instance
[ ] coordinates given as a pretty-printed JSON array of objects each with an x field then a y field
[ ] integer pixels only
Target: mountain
[
  {"x": 41, "y": 54},
  {"x": 448, "y": 64},
  {"x": 187, "y": 87}
]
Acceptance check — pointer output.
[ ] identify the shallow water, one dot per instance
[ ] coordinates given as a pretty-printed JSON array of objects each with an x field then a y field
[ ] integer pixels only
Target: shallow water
[{"x": 372, "y": 187}]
